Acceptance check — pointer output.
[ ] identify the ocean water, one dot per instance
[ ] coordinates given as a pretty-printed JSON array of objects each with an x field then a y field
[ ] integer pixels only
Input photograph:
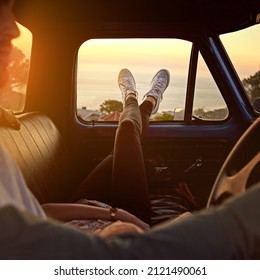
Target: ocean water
[{"x": 92, "y": 92}]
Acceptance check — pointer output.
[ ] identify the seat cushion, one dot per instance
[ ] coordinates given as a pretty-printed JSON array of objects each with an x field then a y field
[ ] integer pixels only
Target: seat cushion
[{"x": 38, "y": 148}]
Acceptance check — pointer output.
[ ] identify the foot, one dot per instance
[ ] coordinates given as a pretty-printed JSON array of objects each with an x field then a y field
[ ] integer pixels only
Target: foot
[
  {"x": 159, "y": 84},
  {"x": 126, "y": 83}
]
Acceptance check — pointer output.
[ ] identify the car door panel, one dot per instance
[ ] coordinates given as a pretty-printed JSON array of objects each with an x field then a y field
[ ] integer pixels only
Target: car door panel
[{"x": 173, "y": 153}]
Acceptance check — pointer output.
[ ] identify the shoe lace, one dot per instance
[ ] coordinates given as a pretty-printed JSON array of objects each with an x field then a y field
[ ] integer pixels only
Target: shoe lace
[
  {"x": 159, "y": 84},
  {"x": 126, "y": 84}
]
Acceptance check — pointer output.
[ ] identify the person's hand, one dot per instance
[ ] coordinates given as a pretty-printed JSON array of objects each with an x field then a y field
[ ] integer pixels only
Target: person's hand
[
  {"x": 125, "y": 216},
  {"x": 119, "y": 227},
  {"x": 183, "y": 216}
]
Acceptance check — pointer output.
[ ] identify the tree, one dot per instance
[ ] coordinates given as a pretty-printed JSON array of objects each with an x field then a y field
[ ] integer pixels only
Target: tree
[
  {"x": 109, "y": 106},
  {"x": 216, "y": 114},
  {"x": 12, "y": 96},
  {"x": 163, "y": 117},
  {"x": 18, "y": 71},
  {"x": 252, "y": 86}
]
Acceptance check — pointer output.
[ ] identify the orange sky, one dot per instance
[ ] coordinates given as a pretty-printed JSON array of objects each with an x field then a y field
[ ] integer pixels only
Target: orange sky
[
  {"x": 244, "y": 42},
  {"x": 24, "y": 41}
]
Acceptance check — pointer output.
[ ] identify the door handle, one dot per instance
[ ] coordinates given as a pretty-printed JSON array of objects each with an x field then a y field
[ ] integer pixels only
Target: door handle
[{"x": 196, "y": 164}]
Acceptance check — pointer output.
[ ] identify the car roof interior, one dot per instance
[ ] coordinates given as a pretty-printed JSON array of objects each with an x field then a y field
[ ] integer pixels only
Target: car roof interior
[{"x": 220, "y": 16}]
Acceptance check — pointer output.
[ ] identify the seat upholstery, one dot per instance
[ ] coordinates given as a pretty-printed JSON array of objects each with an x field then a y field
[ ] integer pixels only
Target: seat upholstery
[{"x": 38, "y": 148}]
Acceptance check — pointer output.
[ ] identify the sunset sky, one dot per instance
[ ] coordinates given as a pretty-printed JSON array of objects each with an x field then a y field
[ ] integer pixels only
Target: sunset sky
[
  {"x": 99, "y": 62},
  {"x": 24, "y": 41}
]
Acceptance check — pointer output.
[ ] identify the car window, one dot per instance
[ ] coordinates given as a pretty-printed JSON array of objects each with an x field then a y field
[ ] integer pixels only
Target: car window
[
  {"x": 243, "y": 49},
  {"x": 12, "y": 96},
  {"x": 208, "y": 101},
  {"x": 100, "y": 60}
]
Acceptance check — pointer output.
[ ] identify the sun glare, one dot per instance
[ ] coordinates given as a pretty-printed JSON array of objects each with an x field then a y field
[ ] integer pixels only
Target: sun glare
[{"x": 24, "y": 41}]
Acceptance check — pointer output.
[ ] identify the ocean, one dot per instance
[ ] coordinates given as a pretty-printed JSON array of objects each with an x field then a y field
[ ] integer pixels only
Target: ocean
[{"x": 91, "y": 93}]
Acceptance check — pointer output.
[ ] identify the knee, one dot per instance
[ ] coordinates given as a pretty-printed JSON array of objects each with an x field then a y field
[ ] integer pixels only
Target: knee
[{"x": 129, "y": 125}]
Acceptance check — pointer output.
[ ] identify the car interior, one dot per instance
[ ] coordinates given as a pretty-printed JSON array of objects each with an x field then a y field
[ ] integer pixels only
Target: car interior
[{"x": 61, "y": 137}]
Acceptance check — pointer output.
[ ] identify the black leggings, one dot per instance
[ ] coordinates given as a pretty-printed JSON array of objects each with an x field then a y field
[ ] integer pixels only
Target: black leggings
[{"x": 120, "y": 179}]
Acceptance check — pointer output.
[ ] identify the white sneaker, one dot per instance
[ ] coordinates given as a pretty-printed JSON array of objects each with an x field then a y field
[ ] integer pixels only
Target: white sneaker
[
  {"x": 159, "y": 84},
  {"x": 126, "y": 83}
]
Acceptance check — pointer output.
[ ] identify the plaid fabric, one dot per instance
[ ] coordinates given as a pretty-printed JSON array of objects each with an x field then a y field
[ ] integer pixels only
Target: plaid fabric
[{"x": 91, "y": 225}]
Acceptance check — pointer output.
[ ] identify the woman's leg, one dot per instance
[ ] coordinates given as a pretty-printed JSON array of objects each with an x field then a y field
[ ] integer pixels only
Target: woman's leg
[
  {"x": 145, "y": 109},
  {"x": 97, "y": 184},
  {"x": 129, "y": 183},
  {"x": 129, "y": 188}
]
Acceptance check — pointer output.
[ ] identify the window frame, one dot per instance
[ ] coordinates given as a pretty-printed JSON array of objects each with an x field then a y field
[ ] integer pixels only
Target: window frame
[{"x": 215, "y": 56}]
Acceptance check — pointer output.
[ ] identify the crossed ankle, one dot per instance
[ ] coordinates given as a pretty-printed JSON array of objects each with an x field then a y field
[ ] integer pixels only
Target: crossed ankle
[
  {"x": 134, "y": 95},
  {"x": 151, "y": 99}
]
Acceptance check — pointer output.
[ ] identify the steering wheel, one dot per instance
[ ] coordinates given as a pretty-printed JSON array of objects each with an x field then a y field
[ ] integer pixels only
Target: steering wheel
[{"x": 237, "y": 168}]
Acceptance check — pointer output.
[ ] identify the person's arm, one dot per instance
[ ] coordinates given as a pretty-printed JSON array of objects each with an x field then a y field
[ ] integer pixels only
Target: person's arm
[
  {"x": 231, "y": 231},
  {"x": 70, "y": 211}
]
